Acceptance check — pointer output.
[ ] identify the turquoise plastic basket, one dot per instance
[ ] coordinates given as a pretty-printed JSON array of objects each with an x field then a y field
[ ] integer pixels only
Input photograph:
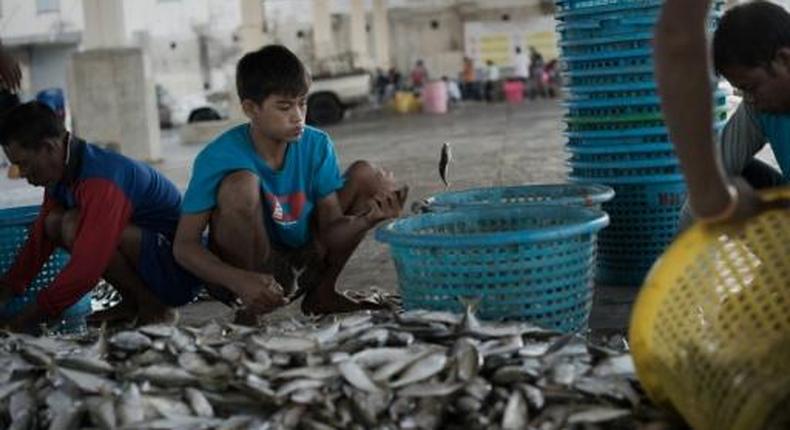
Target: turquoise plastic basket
[
  {"x": 14, "y": 226},
  {"x": 644, "y": 220},
  {"x": 587, "y": 195},
  {"x": 532, "y": 263}
]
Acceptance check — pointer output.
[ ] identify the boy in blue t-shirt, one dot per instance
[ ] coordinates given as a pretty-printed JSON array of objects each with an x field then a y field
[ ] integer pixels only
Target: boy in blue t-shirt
[{"x": 275, "y": 204}]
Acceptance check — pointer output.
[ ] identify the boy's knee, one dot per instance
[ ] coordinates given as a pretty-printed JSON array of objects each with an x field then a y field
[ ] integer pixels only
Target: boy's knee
[
  {"x": 365, "y": 177},
  {"x": 239, "y": 193},
  {"x": 68, "y": 232}
]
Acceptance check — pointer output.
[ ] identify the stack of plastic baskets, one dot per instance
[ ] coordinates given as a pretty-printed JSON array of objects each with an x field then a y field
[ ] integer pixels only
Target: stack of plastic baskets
[
  {"x": 523, "y": 260},
  {"x": 615, "y": 129},
  {"x": 14, "y": 226}
]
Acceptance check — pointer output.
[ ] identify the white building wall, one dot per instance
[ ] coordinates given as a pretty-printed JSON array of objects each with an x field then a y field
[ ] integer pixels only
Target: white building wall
[{"x": 20, "y": 21}]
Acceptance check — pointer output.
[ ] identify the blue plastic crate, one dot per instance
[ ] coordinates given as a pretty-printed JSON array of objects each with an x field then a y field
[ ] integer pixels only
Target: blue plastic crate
[
  {"x": 622, "y": 154},
  {"x": 532, "y": 263},
  {"x": 14, "y": 226},
  {"x": 644, "y": 220},
  {"x": 589, "y": 195}
]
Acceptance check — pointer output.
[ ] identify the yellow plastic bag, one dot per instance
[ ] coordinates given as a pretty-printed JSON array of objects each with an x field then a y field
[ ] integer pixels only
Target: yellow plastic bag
[
  {"x": 710, "y": 331},
  {"x": 406, "y": 102}
]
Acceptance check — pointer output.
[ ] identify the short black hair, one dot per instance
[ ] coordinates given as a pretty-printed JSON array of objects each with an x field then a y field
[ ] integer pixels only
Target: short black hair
[
  {"x": 272, "y": 69},
  {"x": 750, "y": 35},
  {"x": 29, "y": 125}
]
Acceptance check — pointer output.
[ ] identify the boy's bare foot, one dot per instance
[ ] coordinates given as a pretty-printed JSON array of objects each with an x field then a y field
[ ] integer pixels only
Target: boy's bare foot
[
  {"x": 126, "y": 310},
  {"x": 313, "y": 304}
]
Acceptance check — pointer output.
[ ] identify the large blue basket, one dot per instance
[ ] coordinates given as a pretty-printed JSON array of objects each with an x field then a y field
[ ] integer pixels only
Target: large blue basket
[
  {"x": 531, "y": 263},
  {"x": 589, "y": 195},
  {"x": 14, "y": 226}
]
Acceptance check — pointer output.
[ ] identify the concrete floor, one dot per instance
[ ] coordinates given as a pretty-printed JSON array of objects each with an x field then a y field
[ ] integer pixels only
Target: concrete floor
[{"x": 493, "y": 144}]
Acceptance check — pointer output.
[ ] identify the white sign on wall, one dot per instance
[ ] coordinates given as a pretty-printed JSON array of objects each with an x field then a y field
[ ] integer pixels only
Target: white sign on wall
[{"x": 497, "y": 41}]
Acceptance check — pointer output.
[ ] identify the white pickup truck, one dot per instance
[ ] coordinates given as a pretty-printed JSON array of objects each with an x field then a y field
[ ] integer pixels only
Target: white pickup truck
[{"x": 330, "y": 96}]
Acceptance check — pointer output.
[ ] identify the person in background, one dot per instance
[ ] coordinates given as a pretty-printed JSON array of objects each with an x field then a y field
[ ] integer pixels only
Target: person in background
[
  {"x": 520, "y": 66},
  {"x": 536, "y": 74},
  {"x": 419, "y": 76},
  {"x": 469, "y": 86},
  {"x": 395, "y": 78},
  {"x": 382, "y": 81},
  {"x": 553, "y": 78},
  {"x": 492, "y": 80},
  {"x": 453, "y": 91}
]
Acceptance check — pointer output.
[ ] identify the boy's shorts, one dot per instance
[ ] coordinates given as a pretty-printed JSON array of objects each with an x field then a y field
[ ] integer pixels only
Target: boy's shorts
[{"x": 170, "y": 283}]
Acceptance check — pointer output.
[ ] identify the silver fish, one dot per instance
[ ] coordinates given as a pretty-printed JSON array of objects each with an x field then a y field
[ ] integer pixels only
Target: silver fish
[
  {"x": 21, "y": 408},
  {"x": 597, "y": 415},
  {"x": 445, "y": 157},
  {"x": 430, "y": 390},
  {"x": 130, "y": 341},
  {"x": 358, "y": 376},
  {"x": 422, "y": 369},
  {"x": 88, "y": 382},
  {"x": 515, "y": 415},
  {"x": 130, "y": 406},
  {"x": 198, "y": 402},
  {"x": 102, "y": 410}
]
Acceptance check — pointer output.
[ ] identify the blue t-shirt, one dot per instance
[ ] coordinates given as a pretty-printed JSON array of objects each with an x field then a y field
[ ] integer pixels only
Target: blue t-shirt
[{"x": 310, "y": 172}]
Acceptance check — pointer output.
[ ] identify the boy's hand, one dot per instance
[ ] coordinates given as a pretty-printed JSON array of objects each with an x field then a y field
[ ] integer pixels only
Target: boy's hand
[
  {"x": 261, "y": 293},
  {"x": 385, "y": 205},
  {"x": 749, "y": 203}
]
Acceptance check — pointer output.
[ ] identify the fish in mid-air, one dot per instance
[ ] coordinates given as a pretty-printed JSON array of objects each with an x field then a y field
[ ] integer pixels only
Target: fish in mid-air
[{"x": 444, "y": 163}]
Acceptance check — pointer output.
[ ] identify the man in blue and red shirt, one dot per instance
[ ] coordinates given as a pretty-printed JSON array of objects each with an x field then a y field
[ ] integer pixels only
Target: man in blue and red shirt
[{"x": 115, "y": 215}]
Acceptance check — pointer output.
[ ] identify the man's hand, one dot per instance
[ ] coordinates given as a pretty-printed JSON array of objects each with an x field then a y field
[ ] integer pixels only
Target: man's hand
[
  {"x": 749, "y": 203},
  {"x": 10, "y": 74},
  {"x": 260, "y": 292}
]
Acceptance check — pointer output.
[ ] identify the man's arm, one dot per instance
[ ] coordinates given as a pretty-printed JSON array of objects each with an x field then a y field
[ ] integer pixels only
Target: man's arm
[
  {"x": 255, "y": 289},
  {"x": 104, "y": 212},
  {"x": 33, "y": 255},
  {"x": 682, "y": 72}
]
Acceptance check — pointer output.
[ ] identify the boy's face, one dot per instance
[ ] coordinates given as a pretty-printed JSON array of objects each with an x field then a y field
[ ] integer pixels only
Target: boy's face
[
  {"x": 767, "y": 87},
  {"x": 280, "y": 118}
]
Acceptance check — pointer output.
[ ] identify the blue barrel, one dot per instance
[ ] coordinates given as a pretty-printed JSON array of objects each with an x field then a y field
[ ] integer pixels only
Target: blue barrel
[{"x": 14, "y": 227}]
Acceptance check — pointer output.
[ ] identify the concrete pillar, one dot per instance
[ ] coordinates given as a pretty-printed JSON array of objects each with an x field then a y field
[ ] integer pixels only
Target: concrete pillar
[
  {"x": 111, "y": 88},
  {"x": 322, "y": 31},
  {"x": 251, "y": 32},
  {"x": 359, "y": 42},
  {"x": 112, "y": 100},
  {"x": 381, "y": 29},
  {"x": 104, "y": 24}
]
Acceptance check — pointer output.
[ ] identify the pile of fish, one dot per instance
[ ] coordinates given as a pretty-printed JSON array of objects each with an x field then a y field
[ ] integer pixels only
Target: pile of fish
[{"x": 381, "y": 370}]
